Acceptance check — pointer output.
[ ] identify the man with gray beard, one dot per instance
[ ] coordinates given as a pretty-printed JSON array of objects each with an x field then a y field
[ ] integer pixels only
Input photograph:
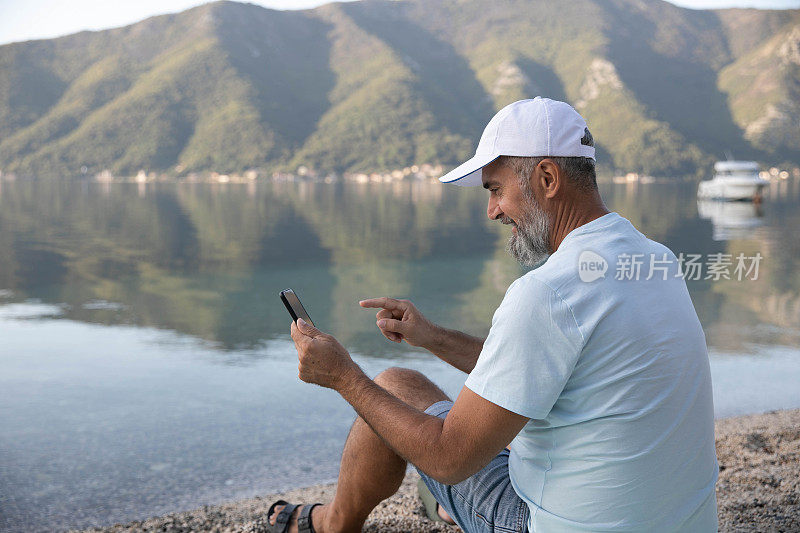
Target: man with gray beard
[
  {"x": 529, "y": 244},
  {"x": 587, "y": 408}
]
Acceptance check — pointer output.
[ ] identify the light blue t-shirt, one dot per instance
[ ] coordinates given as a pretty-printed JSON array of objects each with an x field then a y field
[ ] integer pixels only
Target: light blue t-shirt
[{"x": 612, "y": 369}]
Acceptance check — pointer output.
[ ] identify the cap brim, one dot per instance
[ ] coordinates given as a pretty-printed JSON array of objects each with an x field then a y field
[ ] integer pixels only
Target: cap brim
[{"x": 468, "y": 174}]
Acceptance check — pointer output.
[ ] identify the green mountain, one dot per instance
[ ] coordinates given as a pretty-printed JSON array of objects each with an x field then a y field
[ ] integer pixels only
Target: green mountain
[{"x": 378, "y": 85}]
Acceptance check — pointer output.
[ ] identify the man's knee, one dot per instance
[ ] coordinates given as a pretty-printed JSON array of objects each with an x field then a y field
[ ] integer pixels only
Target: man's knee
[
  {"x": 410, "y": 386},
  {"x": 399, "y": 376}
]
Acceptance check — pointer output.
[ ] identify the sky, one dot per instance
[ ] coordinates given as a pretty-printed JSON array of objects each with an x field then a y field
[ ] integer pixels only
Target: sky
[{"x": 21, "y": 20}]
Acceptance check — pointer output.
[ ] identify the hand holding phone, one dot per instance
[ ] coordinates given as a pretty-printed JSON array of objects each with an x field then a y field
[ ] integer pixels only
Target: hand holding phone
[{"x": 322, "y": 360}]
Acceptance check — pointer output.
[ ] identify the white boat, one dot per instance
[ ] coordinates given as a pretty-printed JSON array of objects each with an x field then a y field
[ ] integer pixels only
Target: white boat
[{"x": 733, "y": 180}]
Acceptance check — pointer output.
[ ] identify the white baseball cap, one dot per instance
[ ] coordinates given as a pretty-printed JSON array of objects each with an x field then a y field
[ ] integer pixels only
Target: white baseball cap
[{"x": 529, "y": 128}]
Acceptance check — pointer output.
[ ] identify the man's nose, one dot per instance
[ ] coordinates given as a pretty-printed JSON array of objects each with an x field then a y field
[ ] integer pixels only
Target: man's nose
[{"x": 493, "y": 210}]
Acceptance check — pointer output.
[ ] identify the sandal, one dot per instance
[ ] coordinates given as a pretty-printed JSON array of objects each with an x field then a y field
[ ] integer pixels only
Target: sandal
[{"x": 281, "y": 524}]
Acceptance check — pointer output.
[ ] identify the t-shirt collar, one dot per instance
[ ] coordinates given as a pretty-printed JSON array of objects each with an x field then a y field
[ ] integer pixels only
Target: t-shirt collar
[{"x": 595, "y": 225}]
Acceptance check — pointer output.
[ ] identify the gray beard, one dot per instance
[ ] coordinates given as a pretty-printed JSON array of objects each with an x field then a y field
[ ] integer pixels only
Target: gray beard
[{"x": 530, "y": 245}]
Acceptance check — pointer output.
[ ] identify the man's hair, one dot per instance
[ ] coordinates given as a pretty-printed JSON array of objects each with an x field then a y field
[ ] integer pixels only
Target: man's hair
[{"x": 579, "y": 170}]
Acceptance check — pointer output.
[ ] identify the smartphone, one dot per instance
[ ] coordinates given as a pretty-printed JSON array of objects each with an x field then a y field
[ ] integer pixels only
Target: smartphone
[{"x": 293, "y": 305}]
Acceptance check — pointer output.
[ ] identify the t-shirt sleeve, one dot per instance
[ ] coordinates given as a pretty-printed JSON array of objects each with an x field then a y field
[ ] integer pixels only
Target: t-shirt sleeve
[{"x": 532, "y": 348}]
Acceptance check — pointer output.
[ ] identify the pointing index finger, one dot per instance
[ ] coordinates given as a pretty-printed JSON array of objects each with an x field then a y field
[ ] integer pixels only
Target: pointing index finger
[{"x": 385, "y": 302}]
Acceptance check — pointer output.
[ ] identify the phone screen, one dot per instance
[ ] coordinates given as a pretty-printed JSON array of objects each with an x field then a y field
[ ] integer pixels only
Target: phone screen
[{"x": 293, "y": 305}]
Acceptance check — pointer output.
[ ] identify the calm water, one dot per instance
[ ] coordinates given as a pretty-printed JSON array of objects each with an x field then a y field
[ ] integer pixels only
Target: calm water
[{"x": 145, "y": 363}]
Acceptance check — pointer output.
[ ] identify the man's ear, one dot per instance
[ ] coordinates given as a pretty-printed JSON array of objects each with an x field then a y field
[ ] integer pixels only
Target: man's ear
[{"x": 549, "y": 177}]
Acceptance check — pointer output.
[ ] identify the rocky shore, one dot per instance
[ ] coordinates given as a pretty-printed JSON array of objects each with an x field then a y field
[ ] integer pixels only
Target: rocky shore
[{"x": 758, "y": 489}]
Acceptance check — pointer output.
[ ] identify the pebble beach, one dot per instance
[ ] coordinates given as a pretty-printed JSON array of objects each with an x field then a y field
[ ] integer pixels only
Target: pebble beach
[{"x": 758, "y": 489}]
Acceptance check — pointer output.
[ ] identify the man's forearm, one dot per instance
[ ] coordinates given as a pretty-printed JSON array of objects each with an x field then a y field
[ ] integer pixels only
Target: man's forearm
[
  {"x": 412, "y": 434},
  {"x": 456, "y": 348}
]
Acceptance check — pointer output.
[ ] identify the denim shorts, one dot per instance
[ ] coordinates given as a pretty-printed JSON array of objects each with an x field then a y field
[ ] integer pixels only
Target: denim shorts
[{"x": 485, "y": 502}]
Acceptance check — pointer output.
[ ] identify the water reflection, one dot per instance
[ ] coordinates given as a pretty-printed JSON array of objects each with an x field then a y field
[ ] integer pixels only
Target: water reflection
[
  {"x": 731, "y": 220},
  {"x": 208, "y": 260}
]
